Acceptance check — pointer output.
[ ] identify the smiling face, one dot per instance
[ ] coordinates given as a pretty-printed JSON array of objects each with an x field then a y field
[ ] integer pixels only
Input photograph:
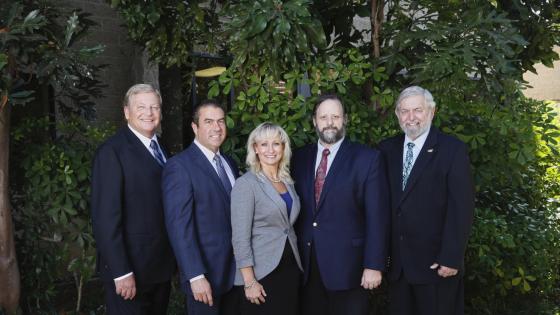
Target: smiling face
[
  {"x": 143, "y": 113},
  {"x": 269, "y": 151},
  {"x": 210, "y": 130},
  {"x": 330, "y": 122},
  {"x": 415, "y": 117}
]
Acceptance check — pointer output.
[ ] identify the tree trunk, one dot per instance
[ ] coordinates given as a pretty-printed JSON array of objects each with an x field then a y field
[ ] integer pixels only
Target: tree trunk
[
  {"x": 377, "y": 7},
  {"x": 9, "y": 273},
  {"x": 376, "y": 20}
]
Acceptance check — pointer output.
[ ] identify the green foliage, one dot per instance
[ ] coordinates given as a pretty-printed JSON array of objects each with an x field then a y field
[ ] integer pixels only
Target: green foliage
[
  {"x": 273, "y": 36},
  {"x": 51, "y": 203},
  {"x": 170, "y": 29},
  {"x": 514, "y": 250},
  {"x": 260, "y": 98},
  {"x": 36, "y": 48}
]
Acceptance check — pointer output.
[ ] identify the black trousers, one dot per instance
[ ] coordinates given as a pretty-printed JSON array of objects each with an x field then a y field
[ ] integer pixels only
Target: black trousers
[
  {"x": 150, "y": 299},
  {"x": 281, "y": 287},
  {"x": 224, "y": 304},
  {"x": 443, "y": 298},
  {"x": 318, "y": 300}
]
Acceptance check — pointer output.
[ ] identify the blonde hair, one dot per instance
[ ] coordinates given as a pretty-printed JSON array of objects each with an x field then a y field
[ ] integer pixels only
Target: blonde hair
[{"x": 269, "y": 130}]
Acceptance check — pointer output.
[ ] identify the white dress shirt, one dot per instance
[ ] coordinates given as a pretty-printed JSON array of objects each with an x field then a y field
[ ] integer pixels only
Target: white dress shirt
[
  {"x": 330, "y": 158},
  {"x": 146, "y": 142},
  {"x": 418, "y": 144}
]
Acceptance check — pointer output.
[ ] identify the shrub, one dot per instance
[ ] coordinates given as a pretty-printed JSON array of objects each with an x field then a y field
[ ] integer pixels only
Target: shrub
[
  {"x": 51, "y": 209},
  {"x": 514, "y": 251}
]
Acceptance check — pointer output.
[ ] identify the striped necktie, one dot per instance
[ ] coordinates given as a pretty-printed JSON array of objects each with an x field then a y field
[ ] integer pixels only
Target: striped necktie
[{"x": 407, "y": 167}]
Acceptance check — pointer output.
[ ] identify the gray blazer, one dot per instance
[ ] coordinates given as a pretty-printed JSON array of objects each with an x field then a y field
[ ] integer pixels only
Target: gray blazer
[{"x": 260, "y": 225}]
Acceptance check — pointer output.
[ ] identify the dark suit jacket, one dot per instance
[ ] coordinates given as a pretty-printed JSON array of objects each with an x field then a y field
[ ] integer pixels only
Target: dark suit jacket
[
  {"x": 349, "y": 228},
  {"x": 127, "y": 212},
  {"x": 432, "y": 218},
  {"x": 197, "y": 215}
]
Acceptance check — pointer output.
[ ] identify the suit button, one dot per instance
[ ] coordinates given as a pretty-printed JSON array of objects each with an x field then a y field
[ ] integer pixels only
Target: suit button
[
  {"x": 314, "y": 224},
  {"x": 308, "y": 243},
  {"x": 398, "y": 214},
  {"x": 402, "y": 237},
  {"x": 286, "y": 231}
]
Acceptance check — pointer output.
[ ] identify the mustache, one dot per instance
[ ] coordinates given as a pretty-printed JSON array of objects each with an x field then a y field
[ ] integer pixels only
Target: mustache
[{"x": 330, "y": 128}]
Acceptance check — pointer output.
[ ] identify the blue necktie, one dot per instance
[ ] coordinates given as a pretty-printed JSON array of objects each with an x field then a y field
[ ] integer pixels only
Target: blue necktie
[
  {"x": 222, "y": 173},
  {"x": 407, "y": 164},
  {"x": 157, "y": 152}
]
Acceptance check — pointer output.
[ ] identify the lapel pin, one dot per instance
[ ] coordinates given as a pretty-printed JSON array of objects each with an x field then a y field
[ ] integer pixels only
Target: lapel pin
[{"x": 430, "y": 150}]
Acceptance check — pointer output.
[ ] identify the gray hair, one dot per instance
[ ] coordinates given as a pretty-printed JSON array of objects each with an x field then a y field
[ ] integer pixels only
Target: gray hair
[
  {"x": 415, "y": 91},
  {"x": 138, "y": 89},
  {"x": 269, "y": 130}
]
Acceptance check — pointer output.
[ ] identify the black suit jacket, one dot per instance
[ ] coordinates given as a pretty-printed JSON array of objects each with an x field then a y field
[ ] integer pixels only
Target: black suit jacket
[
  {"x": 127, "y": 212},
  {"x": 432, "y": 217}
]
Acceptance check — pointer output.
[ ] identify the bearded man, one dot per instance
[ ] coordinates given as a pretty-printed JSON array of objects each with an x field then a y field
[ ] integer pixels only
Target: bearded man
[
  {"x": 432, "y": 202},
  {"x": 343, "y": 224}
]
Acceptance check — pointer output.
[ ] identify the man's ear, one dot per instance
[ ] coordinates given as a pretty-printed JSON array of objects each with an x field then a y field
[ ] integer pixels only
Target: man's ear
[{"x": 194, "y": 128}]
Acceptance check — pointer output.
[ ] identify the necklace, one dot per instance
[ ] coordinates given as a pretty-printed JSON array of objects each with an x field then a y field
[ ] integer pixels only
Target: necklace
[{"x": 271, "y": 179}]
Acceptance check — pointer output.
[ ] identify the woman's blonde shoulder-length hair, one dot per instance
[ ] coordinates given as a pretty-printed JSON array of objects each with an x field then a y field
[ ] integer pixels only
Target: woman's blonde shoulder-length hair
[{"x": 268, "y": 130}]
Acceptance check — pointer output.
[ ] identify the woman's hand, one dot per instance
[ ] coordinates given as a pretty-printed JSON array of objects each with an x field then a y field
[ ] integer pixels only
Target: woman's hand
[{"x": 254, "y": 292}]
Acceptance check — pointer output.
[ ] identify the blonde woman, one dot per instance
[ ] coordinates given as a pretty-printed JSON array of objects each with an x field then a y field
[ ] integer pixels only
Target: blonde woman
[{"x": 264, "y": 207}]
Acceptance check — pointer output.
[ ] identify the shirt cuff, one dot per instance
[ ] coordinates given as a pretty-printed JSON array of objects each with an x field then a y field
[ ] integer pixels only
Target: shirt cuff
[
  {"x": 196, "y": 278},
  {"x": 122, "y": 277}
]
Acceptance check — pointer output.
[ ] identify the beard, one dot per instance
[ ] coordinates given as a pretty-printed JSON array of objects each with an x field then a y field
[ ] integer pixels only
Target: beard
[
  {"x": 330, "y": 135},
  {"x": 414, "y": 132}
]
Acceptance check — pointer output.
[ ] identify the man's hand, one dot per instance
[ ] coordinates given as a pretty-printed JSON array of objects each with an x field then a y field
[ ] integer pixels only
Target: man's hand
[
  {"x": 444, "y": 271},
  {"x": 202, "y": 291},
  {"x": 126, "y": 287},
  {"x": 371, "y": 279}
]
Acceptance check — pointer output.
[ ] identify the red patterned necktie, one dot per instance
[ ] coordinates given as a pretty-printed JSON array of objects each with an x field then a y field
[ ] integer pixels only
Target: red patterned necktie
[{"x": 321, "y": 174}]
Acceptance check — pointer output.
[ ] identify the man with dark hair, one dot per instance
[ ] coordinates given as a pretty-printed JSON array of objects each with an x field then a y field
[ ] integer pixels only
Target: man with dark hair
[
  {"x": 134, "y": 260},
  {"x": 196, "y": 189},
  {"x": 432, "y": 201},
  {"x": 342, "y": 227}
]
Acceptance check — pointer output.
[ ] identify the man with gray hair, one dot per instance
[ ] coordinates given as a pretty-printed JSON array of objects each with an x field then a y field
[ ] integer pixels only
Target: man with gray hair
[
  {"x": 432, "y": 204},
  {"x": 134, "y": 260}
]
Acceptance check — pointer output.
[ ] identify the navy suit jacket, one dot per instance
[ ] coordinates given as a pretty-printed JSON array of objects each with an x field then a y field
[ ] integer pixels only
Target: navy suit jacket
[
  {"x": 349, "y": 227},
  {"x": 432, "y": 217},
  {"x": 127, "y": 212},
  {"x": 197, "y": 215}
]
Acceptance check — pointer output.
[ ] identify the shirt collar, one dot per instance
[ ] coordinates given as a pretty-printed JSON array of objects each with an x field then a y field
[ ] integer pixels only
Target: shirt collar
[
  {"x": 145, "y": 140},
  {"x": 418, "y": 142},
  {"x": 207, "y": 153},
  {"x": 333, "y": 149}
]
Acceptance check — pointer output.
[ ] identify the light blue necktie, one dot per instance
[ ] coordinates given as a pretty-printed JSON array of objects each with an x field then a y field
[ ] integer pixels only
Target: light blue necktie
[
  {"x": 407, "y": 167},
  {"x": 222, "y": 173},
  {"x": 157, "y": 152}
]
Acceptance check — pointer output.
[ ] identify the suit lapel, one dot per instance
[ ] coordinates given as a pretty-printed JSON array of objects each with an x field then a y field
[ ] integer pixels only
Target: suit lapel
[
  {"x": 310, "y": 176},
  {"x": 137, "y": 146},
  {"x": 428, "y": 151},
  {"x": 201, "y": 160},
  {"x": 396, "y": 167},
  {"x": 273, "y": 195},
  {"x": 333, "y": 171},
  {"x": 295, "y": 203}
]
